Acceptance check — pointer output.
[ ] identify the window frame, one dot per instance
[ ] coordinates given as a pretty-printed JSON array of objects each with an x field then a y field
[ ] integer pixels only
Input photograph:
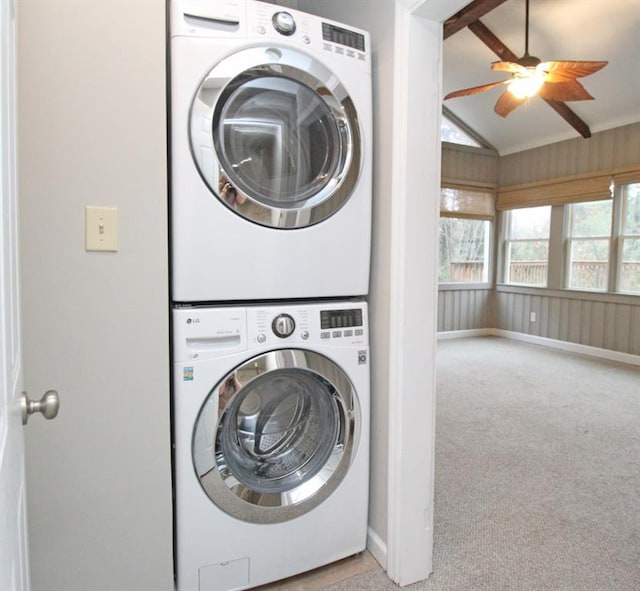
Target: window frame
[
  {"x": 488, "y": 255},
  {"x": 620, "y": 237},
  {"x": 471, "y": 214},
  {"x": 507, "y": 240},
  {"x": 568, "y": 240}
]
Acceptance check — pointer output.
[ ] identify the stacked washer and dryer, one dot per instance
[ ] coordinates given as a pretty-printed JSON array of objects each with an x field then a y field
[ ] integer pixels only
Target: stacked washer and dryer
[{"x": 270, "y": 249}]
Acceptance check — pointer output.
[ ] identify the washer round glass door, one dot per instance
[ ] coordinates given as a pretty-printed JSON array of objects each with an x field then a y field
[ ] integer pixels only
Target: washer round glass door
[
  {"x": 276, "y": 436},
  {"x": 275, "y": 137}
]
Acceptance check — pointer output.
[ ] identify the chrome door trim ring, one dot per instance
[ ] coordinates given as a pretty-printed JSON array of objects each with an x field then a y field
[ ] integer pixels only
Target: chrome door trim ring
[
  {"x": 239, "y": 501},
  {"x": 275, "y": 61}
]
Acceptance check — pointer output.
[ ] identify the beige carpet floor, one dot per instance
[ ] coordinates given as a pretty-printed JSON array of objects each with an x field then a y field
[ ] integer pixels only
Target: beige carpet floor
[{"x": 537, "y": 472}]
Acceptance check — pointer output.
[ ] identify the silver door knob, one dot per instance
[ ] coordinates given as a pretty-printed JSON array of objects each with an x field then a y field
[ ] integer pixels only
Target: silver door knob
[{"x": 48, "y": 405}]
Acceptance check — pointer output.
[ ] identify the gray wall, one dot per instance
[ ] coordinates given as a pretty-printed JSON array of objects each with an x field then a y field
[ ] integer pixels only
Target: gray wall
[
  {"x": 463, "y": 164},
  {"x": 465, "y": 309},
  {"x": 607, "y": 322},
  {"x": 603, "y": 151},
  {"x": 92, "y": 132}
]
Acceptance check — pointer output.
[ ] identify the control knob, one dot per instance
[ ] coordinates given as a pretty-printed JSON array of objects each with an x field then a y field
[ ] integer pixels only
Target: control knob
[
  {"x": 284, "y": 23},
  {"x": 283, "y": 325}
]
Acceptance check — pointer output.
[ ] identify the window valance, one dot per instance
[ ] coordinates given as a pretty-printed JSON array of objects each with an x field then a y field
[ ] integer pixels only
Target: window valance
[
  {"x": 466, "y": 202},
  {"x": 589, "y": 187}
]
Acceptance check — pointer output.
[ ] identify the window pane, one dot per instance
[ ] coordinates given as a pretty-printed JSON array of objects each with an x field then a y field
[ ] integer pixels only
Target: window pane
[
  {"x": 630, "y": 265},
  {"x": 631, "y": 196},
  {"x": 589, "y": 264},
  {"x": 528, "y": 262},
  {"x": 589, "y": 240},
  {"x": 450, "y": 132},
  {"x": 530, "y": 222},
  {"x": 527, "y": 246},
  {"x": 464, "y": 250},
  {"x": 591, "y": 219}
]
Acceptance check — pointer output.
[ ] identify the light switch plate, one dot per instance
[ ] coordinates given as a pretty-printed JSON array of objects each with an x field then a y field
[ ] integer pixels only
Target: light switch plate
[{"x": 101, "y": 228}]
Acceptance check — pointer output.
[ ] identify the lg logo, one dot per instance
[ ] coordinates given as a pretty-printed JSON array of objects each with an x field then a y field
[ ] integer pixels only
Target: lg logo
[{"x": 193, "y": 320}]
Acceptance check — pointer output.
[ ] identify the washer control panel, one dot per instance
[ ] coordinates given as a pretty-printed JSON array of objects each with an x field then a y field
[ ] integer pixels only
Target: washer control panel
[
  {"x": 207, "y": 332},
  {"x": 339, "y": 323}
]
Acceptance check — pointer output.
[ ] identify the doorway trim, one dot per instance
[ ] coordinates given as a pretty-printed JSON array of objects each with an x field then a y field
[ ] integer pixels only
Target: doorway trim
[{"x": 413, "y": 292}]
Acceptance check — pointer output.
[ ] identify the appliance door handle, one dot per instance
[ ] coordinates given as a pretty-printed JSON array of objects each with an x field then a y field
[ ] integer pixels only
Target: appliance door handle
[{"x": 223, "y": 20}]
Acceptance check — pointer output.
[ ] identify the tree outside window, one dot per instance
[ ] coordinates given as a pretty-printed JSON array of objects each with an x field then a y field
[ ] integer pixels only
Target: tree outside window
[{"x": 464, "y": 250}]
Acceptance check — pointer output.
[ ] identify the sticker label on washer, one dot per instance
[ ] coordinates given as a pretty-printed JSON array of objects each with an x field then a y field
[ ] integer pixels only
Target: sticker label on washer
[
  {"x": 362, "y": 357},
  {"x": 187, "y": 374}
]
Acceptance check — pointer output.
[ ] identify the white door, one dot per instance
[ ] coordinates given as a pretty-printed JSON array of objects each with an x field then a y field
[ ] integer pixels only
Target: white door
[
  {"x": 14, "y": 571},
  {"x": 14, "y": 553}
]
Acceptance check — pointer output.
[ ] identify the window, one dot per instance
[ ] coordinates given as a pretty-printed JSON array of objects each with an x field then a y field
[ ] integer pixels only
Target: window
[
  {"x": 464, "y": 250},
  {"x": 629, "y": 266},
  {"x": 465, "y": 234},
  {"x": 450, "y": 132},
  {"x": 588, "y": 244},
  {"x": 527, "y": 246}
]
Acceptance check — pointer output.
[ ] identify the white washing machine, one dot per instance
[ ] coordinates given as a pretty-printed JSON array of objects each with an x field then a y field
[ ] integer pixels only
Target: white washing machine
[
  {"x": 270, "y": 153},
  {"x": 271, "y": 435}
]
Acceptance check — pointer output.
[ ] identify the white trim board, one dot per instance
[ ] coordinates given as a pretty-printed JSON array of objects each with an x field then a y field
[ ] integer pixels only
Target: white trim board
[
  {"x": 545, "y": 342},
  {"x": 377, "y": 547}
]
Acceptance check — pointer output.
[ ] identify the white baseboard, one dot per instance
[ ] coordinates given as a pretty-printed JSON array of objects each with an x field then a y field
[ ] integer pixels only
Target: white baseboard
[
  {"x": 461, "y": 334},
  {"x": 567, "y": 346},
  {"x": 544, "y": 341},
  {"x": 377, "y": 547}
]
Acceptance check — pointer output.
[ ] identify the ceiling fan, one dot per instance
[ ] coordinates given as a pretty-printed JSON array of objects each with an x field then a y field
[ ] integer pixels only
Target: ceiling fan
[{"x": 553, "y": 80}]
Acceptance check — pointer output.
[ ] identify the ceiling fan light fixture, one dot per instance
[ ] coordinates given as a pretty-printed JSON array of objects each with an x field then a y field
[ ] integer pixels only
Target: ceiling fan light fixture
[{"x": 527, "y": 83}]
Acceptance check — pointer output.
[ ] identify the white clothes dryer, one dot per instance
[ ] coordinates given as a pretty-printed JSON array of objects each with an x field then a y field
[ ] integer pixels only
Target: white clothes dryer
[
  {"x": 270, "y": 153},
  {"x": 271, "y": 436}
]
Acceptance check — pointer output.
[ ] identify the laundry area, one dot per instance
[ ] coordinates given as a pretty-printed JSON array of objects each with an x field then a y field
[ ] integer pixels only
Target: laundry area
[
  {"x": 237, "y": 376},
  {"x": 270, "y": 185}
]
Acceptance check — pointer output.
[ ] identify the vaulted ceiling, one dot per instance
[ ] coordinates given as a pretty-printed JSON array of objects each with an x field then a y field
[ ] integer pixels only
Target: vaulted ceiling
[{"x": 491, "y": 30}]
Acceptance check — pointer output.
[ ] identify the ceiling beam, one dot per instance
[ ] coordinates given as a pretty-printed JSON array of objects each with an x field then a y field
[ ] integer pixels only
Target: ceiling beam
[
  {"x": 485, "y": 35},
  {"x": 469, "y": 14},
  {"x": 505, "y": 54}
]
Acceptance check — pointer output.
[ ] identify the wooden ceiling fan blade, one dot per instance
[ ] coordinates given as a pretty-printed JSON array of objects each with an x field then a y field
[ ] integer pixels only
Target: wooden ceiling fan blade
[
  {"x": 561, "y": 71},
  {"x": 475, "y": 89},
  {"x": 511, "y": 67},
  {"x": 571, "y": 90},
  {"x": 507, "y": 103}
]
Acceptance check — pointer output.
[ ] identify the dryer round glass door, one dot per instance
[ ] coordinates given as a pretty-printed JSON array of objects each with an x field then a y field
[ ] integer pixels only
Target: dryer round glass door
[
  {"x": 276, "y": 436},
  {"x": 275, "y": 137}
]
